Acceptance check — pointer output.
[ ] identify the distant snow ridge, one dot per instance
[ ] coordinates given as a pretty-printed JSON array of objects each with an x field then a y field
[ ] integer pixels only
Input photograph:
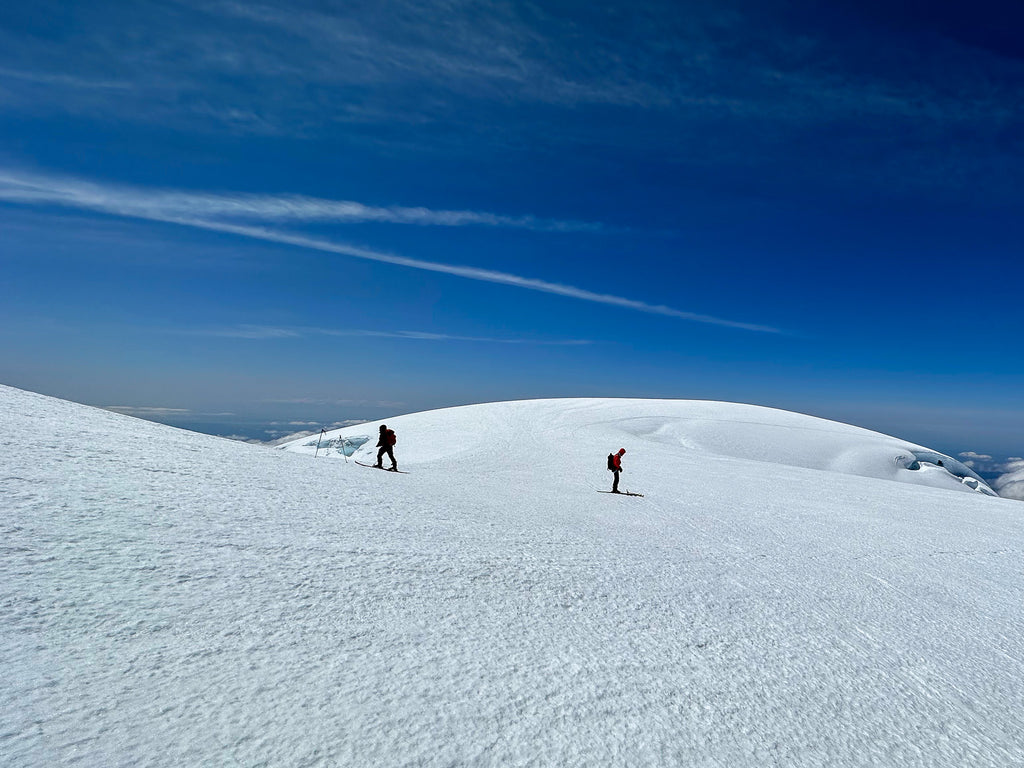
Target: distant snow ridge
[{"x": 656, "y": 433}]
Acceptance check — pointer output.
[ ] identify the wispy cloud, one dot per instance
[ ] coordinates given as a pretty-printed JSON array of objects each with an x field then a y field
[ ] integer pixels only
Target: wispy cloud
[
  {"x": 155, "y": 203},
  {"x": 154, "y": 412},
  {"x": 269, "y": 332},
  {"x": 471, "y": 273},
  {"x": 145, "y": 411},
  {"x": 37, "y": 77},
  {"x": 491, "y": 50},
  {"x": 197, "y": 54},
  {"x": 973, "y": 459},
  {"x": 713, "y": 87},
  {"x": 257, "y": 332},
  {"x": 89, "y": 196},
  {"x": 301, "y": 67},
  {"x": 332, "y": 402}
]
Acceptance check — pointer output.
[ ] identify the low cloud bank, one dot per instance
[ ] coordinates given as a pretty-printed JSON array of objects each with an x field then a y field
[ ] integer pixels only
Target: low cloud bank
[
  {"x": 1007, "y": 476},
  {"x": 1010, "y": 485}
]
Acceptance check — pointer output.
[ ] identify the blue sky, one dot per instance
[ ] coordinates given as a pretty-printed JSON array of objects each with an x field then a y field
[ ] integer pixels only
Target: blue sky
[{"x": 254, "y": 216}]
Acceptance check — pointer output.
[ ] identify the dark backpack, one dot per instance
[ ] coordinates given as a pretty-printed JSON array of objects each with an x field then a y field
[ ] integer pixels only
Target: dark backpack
[
  {"x": 611, "y": 462},
  {"x": 392, "y": 438}
]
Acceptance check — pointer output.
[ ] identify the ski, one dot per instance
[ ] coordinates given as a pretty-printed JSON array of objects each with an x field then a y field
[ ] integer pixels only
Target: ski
[
  {"x": 623, "y": 493},
  {"x": 374, "y": 466}
]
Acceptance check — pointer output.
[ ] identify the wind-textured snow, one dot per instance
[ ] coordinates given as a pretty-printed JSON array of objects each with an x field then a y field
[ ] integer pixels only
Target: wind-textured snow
[{"x": 173, "y": 599}]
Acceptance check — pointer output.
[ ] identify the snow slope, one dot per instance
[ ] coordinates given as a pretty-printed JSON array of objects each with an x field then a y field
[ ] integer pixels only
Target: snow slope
[
  {"x": 176, "y": 599},
  {"x": 662, "y": 431}
]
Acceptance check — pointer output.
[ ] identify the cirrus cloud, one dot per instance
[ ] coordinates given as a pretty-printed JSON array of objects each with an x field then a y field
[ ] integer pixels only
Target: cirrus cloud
[{"x": 34, "y": 189}]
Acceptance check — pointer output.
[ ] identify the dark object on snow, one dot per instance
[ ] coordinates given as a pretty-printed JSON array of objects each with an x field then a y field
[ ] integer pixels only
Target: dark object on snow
[
  {"x": 615, "y": 465},
  {"x": 386, "y": 445},
  {"x": 378, "y": 466}
]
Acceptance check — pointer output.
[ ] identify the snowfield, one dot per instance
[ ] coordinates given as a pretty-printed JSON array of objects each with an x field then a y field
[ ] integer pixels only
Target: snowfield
[
  {"x": 571, "y": 433},
  {"x": 790, "y": 592}
]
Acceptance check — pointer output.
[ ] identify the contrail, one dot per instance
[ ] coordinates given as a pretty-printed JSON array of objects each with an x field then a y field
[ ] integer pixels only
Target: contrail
[
  {"x": 135, "y": 201},
  {"x": 471, "y": 273},
  {"x": 40, "y": 191},
  {"x": 271, "y": 332}
]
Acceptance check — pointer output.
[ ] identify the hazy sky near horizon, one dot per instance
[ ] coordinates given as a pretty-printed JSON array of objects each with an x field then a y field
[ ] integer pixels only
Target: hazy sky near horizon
[{"x": 313, "y": 211}]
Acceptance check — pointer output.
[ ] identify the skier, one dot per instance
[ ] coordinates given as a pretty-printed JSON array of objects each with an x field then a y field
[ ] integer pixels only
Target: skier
[
  {"x": 615, "y": 465},
  {"x": 386, "y": 444}
]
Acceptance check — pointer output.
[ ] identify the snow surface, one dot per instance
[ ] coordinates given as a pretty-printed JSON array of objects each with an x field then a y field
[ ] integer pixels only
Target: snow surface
[
  {"x": 665, "y": 428},
  {"x": 172, "y": 598}
]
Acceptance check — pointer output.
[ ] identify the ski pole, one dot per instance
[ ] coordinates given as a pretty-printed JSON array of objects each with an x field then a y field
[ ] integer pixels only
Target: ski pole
[{"x": 317, "y": 452}]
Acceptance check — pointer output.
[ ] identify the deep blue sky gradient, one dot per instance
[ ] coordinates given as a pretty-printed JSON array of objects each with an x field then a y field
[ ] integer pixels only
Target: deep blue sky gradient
[{"x": 845, "y": 176}]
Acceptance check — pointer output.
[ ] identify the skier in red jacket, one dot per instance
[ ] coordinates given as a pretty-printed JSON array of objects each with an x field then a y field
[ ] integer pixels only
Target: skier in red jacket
[
  {"x": 386, "y": 443},
  {"x": 615, "y": 465}
]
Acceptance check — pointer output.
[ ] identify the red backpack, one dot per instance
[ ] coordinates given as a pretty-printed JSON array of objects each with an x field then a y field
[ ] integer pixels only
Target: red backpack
[{"x": 392, "y": 438}]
